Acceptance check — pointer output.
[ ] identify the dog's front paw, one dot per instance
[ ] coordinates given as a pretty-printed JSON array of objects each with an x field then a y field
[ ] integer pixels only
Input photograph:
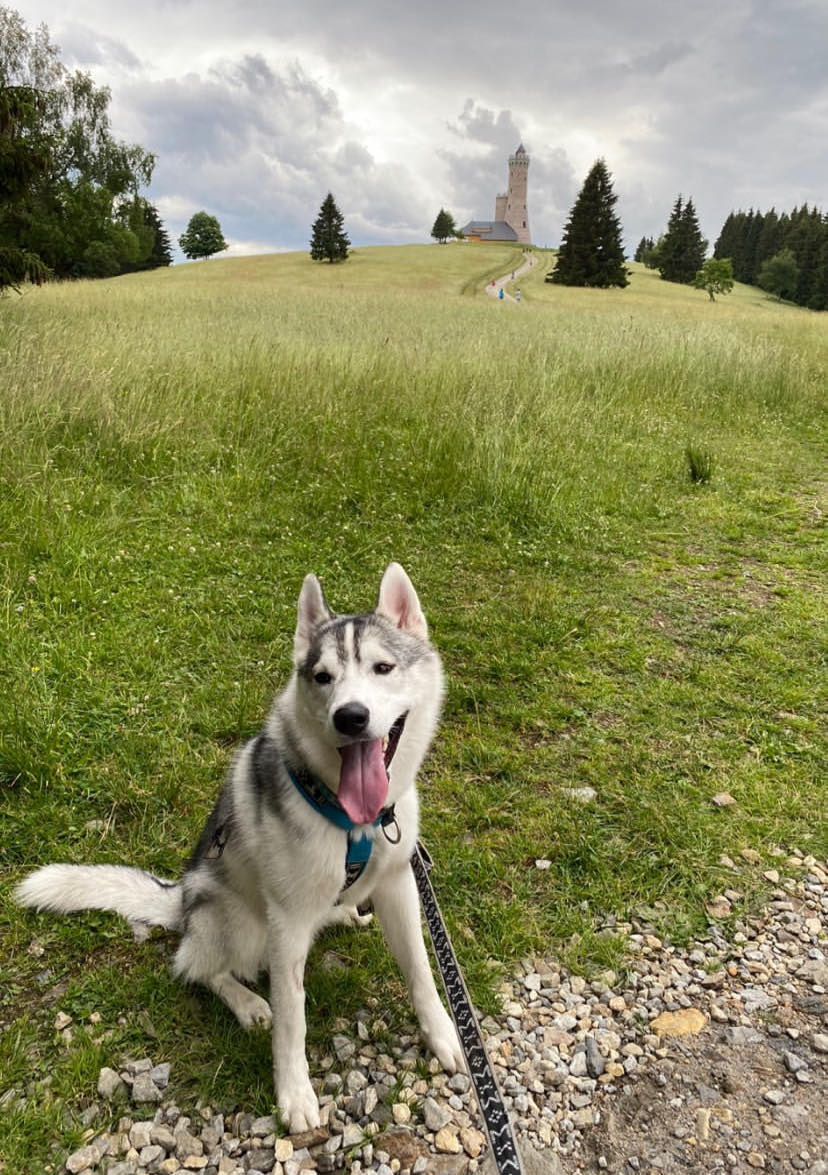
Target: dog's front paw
[
  {"x": 252, "y": 1011},
  {"x": 298, "y": 1106},
  {"x": 441, "y": 1037}
]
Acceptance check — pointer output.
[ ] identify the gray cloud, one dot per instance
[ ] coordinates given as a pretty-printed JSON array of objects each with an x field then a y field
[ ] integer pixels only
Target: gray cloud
[{"x": 255, "y": 111}]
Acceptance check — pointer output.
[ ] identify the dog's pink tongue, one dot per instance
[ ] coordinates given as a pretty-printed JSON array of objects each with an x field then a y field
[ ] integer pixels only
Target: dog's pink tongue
[{"x": 363, "y": 780}]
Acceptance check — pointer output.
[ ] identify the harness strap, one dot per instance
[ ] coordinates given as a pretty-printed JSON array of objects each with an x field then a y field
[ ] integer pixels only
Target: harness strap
[
  {"x": 358, "y": 853},
  {"x": 489, "y": 1098}
]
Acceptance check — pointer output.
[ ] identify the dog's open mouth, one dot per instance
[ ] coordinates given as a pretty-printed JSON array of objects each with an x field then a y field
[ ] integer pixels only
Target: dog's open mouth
[{"x": 363, "y": 774}]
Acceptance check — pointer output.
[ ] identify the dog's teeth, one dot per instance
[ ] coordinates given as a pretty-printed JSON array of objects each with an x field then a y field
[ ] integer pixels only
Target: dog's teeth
[{"x": 385, "y": 743}]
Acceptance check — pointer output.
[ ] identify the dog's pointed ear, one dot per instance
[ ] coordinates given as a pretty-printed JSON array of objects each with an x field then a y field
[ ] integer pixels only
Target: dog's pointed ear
[
  {"x": 398, "y": 602},
  {"x": 313, "y": 610}
]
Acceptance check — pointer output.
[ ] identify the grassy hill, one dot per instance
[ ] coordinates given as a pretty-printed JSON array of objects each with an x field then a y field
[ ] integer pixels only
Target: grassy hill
[{"x": 179, "y": 448}]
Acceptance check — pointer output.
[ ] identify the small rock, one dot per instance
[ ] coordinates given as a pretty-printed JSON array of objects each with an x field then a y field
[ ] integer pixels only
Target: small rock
[
  {"x": 110, "y": 1084},
  {"x": 144, "y": 1089},
  {"x": 283, "y": 1150},
  {"x": 447, "y": 1142},
  {"x": 472, "y": 1141},
  {"x": 162, "y": 1136},
  {"x": 722, "y": 799},
  {"x": 774, "y": 1096},
  {"x": 595, "y": 1062},
  {"x": 741, "y": 1034},
  {"x": 435, "y": 1116},
  {"x": 140, "y": 1134},
  {"x": 87, "y": 1156},
  {"x": 160, "y": 1075},
  {"x": 401, "y": 1113},
  {"x": 542, "y": 863},
  {"x": 820, "y": 1042},
  {"x": 685, "y": 1022},
  {"x": 150, "y": 1155},
  {"x": 793, "y": 1063}
]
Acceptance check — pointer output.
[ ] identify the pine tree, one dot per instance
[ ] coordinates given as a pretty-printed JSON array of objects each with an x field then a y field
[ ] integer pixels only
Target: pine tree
[
  {"x": 670, "y": 244},
  {"x": 444, "y": 227},
  {"x": 591, "y": 253},
  {"x": 161, "y": 250},
  {"x": 695, "y": 245},
  {"x": 683, "y": 249},
  {"x": 329, "y": 241}
]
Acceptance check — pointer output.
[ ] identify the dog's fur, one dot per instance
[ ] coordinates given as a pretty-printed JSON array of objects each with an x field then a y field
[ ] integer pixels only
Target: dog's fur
[{"x": 269, "y": 869}]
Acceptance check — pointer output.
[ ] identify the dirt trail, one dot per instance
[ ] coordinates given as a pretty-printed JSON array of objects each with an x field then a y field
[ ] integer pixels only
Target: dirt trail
[{"x": 499, "y": 283}]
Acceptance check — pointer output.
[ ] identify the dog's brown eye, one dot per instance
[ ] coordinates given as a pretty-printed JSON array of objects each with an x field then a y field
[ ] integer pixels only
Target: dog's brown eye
[
  {"x": 322, "y": 677},
  {"x": 383, "y": 667}
]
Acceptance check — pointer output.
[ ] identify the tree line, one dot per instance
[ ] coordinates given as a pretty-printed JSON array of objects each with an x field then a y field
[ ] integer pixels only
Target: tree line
[{"x": 785, "y": 253}]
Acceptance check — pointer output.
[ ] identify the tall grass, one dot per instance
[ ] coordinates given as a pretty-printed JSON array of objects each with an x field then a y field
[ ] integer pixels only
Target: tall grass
[{"x": 179, "y": 448}]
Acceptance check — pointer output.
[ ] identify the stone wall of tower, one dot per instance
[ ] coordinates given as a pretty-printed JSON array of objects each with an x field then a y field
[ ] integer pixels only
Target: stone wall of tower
[
  {"x": 517, "y": 211},
  {"x": 500, "y": 207}
]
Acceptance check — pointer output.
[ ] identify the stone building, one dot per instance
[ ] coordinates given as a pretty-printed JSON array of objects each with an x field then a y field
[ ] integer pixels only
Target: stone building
[{"x": 511, "y": 218}]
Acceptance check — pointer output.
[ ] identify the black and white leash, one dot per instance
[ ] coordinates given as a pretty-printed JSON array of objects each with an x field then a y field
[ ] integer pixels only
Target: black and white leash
[{"x": 493, "y": 1111}]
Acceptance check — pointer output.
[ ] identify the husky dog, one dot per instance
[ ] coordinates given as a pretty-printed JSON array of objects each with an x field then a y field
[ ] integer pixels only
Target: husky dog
[{"x": 310, "y": 825}]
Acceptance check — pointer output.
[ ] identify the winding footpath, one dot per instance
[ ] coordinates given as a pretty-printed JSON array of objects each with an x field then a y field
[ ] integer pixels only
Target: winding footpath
[{"x": 497, "y": 284}]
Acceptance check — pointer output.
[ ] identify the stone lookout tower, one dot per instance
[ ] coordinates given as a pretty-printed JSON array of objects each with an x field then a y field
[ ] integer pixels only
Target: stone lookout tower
[
  {"x": 511, "y": 218},
  {"x": 516, "y": 212}
]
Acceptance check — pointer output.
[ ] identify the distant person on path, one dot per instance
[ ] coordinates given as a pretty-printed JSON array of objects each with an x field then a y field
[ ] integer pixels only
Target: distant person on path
[
  {"x": 517, "y": 295},
  {"x": 500, "y": 293}
]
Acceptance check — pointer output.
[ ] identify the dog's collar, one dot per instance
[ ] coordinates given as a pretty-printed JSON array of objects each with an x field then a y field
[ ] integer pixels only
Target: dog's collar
[{"x": 326, "y": 804}]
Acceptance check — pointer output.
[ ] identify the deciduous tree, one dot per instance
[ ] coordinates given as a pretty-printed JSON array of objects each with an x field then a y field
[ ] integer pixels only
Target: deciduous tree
[
  {"x": 63, "y": 177},
  {"x": 202, "y": 237},
  {"x": 780, "y": 274},
  {"x": 715, "y": 276}
]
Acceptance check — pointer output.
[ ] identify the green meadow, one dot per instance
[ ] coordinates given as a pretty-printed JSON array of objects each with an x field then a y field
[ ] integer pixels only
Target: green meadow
[{"x": 180, "y": 447}]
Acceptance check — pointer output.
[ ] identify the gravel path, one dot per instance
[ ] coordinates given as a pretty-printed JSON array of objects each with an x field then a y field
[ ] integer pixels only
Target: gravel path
[{"x": 711, "y": 1059}]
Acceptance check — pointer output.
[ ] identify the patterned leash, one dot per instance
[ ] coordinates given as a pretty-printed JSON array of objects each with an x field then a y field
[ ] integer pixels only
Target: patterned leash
[{"x": 495, "y": 1117}]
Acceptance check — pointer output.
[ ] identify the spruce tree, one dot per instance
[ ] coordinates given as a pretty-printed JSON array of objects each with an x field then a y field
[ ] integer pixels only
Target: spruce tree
[
  {"x": 444, "y": 227},
  {"x": 683, "y": 249},
  {"x": 161, "y": 250},
  {"x": 669, "y": 251},
  {"x": 329, "y": 242},
  {"x": 591, "y": 253}
]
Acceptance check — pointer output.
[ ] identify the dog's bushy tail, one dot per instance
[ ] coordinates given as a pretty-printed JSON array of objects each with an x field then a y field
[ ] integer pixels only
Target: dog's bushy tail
[{"x": 140, "y": 897}]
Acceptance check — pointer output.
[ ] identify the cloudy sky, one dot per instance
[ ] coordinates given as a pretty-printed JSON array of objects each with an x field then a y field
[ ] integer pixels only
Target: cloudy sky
[{"x": 256, "y": 109}]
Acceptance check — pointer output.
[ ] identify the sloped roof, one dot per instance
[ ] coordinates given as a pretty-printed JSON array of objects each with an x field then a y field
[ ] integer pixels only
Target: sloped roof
[{"x": 492, "y": 230}]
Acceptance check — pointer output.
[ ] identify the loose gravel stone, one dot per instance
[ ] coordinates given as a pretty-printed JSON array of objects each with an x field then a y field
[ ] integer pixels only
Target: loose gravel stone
[
  {"x": 144, "y": 1089},
  {"x": 567, "y": 1050}
]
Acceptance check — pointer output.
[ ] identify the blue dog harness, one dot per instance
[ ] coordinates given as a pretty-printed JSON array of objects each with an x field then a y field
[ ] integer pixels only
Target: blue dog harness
[{"x": 326, "y": 804}]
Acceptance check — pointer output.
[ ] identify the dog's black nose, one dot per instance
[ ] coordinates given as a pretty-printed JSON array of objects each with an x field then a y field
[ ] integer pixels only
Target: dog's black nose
[{"x": 351, "y": 718}]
